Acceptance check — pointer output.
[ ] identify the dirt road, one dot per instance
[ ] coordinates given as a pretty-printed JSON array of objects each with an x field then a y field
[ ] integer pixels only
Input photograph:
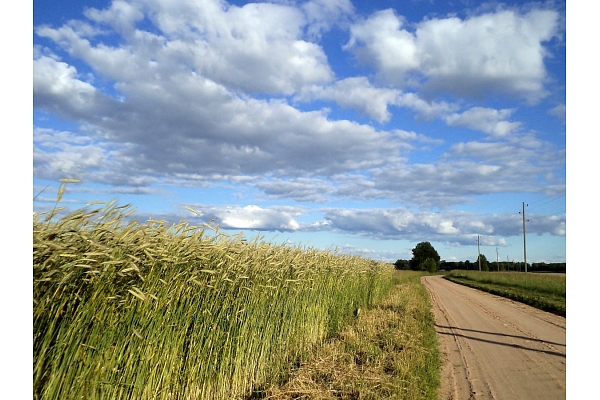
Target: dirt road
[{"x": 495, "y": 348}]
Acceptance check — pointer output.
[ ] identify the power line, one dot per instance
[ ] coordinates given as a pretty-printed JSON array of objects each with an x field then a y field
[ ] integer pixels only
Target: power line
[{"x": 547, "y": 202}]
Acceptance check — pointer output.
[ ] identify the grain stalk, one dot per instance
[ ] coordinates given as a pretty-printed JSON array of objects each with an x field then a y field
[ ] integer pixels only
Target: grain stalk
[{"x": 151, "y": 311}]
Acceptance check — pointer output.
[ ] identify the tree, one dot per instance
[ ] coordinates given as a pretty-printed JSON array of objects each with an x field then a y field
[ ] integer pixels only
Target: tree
[
  {"x": 422, "y": 252},
  {"x": 402, "y": 264},
  {"x": 484, "y": 263},
  {"x": 428, "y": 265}
]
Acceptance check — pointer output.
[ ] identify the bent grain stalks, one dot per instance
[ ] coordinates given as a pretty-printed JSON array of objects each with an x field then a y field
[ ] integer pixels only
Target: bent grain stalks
[{"x": 126, "y": 310}]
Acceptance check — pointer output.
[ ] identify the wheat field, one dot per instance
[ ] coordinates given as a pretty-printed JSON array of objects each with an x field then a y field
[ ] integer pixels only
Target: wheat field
[{"x": 124, "y": 310}]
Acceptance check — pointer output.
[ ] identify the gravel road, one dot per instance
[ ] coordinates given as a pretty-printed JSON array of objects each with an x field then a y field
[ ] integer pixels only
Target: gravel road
[{"x": 495, "y": 348}]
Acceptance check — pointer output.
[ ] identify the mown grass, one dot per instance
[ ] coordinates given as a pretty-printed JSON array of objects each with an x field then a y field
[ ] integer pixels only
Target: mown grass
[
  {"x": 128, "y": 310},
  {"x": 547, "y": 292},
  {"x": 391, "y": 352}
]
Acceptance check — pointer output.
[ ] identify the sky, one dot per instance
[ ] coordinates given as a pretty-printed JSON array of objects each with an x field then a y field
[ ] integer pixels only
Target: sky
[{"x": 365, "y": 127}]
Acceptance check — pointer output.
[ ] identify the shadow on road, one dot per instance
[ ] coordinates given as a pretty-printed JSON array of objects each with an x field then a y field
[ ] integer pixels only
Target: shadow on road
[{"x": 514, "y": 345}]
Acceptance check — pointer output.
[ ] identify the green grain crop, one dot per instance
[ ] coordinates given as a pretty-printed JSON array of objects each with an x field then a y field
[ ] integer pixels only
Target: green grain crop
[{"x": 128, "y": 310}]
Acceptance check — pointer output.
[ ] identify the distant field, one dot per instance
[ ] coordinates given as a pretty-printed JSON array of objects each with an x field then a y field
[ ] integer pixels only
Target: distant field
[{"x": 547, "y": 292}]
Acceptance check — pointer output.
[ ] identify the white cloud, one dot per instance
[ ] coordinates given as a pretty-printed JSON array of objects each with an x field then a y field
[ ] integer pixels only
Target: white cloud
[
  {"x": 500, "y": 52},
  {"x": 121, "y": 15},
  {"x": 448, "y": 227},
  {"x": 65, "y": 155},
  {"x": 209, "y": 129},
  {"x": 359, "y": 94},
  {"x": 367, "y": 99},
  {"x": 425, "y": 109},
  {"x": 57, "y": 80},
  {"x": 560, "y": 112},
  {"x": 467, "y": 170},
  {"x": 176, "y": 115},
  {"x": 321, "y": 15},
  {"x": 251, "y": 217},
  {"x": 178, "y": 99},
  {"x": 486, "y": 120},
  {"x": 257, "y": 48},
  {"x": 380, "y": 41},
  {"x": 299, "y": 189}
]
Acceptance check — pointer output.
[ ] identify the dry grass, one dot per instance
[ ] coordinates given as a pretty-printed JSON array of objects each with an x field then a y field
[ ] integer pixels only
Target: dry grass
[{"x": 389, "y": 353}]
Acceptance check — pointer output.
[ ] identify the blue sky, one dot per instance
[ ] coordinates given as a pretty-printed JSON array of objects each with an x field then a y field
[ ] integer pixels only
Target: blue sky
[{"x": 363, "y": 126}]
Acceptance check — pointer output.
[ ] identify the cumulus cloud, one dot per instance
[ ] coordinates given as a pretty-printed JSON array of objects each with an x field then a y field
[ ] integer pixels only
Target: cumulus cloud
[
  {"x": 458, "y": 228},
  {"x": 467, "y": 170},
  {"x": 485, "y": 120},
  {"x": 192, "y": 122},
  {"x": 380, "y": 41},
  {"x": 560, "y": 112},
  {"x": 257, "y": 48},
  {"x": 321, "y": 15},
  {"x": 449, "y": 227},
  {"x": 500, "y": 52},
  {"x": 200, "y": 93},
  {"x": 513, "y": 155},
  {"x": 175, "y": 114},
  {"x": 425, "y": 109},
  {"x": 57, "y": 87},
  {"x": 299, "y": 189},
  {"x": 359, "y": 94},
  {"x": 65, "y": 155},
  {"x": 121, "y": 15},
  {"x": 367, "y": 99},
  {"x": 251, "y": 217}
]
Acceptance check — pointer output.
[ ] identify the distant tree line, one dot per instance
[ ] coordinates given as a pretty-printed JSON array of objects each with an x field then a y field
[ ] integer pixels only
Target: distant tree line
[{"x": 426, "y": 258}]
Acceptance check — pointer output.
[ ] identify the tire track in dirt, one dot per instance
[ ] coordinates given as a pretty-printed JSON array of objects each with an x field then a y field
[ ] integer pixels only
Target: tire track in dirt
[{"x": 495, "y": 348}]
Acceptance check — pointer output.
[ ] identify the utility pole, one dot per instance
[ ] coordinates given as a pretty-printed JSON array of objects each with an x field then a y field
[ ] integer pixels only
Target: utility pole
[
  {"x": 478, "y": 254},
  {"x": 524, "y": 240},
  {"x": 497, "y": 262}
]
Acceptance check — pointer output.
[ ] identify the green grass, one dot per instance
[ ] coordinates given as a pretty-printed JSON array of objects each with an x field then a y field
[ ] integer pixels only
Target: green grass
[
  {"x": 391, "y": 352},
  {"x": 547, "y": 292},
  {"x": 126, "y": 310}
]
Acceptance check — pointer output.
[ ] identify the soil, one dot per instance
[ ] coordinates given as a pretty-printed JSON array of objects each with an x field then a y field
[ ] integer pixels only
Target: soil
[{"x": 496, "y": 348}]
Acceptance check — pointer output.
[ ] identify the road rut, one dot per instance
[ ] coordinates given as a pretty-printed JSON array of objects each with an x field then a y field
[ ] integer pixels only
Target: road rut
[{"x": 496, "y": 348}]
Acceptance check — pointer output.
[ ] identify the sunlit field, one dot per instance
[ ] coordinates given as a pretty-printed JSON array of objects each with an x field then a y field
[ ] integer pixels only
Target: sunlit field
[
  {"x": 545, "y": 291},
  {"x": 390, "y": 352},
  {"x": 128, "y": 310}
]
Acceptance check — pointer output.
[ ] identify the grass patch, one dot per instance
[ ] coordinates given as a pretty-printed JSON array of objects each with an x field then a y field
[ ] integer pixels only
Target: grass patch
[
  {"x": 547, "y": 292},
  {"x": 391, "y": 352}
]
